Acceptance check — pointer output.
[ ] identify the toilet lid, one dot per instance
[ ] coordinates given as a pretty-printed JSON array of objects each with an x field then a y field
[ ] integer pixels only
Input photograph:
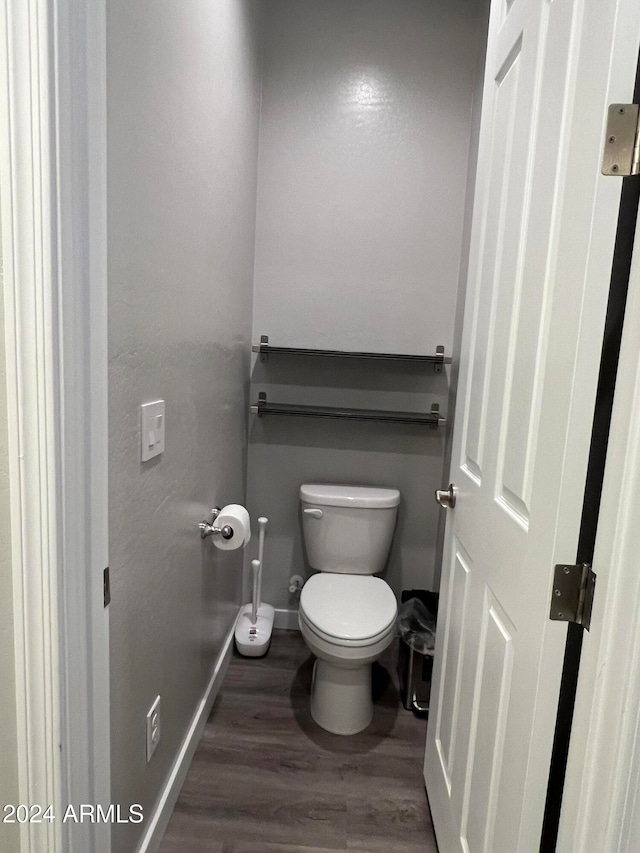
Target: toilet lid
[{"x": 350, "y": 607}]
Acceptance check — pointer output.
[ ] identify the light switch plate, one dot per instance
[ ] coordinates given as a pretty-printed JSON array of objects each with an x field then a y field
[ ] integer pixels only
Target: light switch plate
[{"x": 152, "y": 429}]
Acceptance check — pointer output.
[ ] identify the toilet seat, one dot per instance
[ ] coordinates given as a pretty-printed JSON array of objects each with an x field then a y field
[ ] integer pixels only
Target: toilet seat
[
  {"x": 340, "y": 645},
  {"x": 348, "y": 610}
]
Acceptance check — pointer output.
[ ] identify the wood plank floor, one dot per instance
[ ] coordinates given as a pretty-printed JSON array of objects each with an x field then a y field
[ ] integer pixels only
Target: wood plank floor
[{"x": 266, "y": 778}]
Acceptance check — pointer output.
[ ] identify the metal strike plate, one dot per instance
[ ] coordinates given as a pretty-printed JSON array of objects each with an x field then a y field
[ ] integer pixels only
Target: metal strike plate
[{"x": 106, "y": 587}]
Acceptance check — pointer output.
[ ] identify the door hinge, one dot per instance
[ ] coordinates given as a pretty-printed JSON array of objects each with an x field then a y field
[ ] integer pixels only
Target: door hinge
[
  {"x": 572, "y": 596},
  {"x": 621, "y": 155},
  {"x": 106, "y": 587}
]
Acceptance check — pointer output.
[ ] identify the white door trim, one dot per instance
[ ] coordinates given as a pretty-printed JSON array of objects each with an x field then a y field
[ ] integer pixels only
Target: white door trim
[
  {"x": 53, "y": 189},
  {"x": 28, "y": 266}
]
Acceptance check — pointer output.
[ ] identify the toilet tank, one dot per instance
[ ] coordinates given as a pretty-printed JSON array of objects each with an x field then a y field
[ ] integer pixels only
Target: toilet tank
[{"x": 348, "y": 529}]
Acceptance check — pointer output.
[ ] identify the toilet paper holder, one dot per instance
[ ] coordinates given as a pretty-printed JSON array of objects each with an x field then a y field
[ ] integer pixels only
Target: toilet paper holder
[{"x": 207, "y": 528}]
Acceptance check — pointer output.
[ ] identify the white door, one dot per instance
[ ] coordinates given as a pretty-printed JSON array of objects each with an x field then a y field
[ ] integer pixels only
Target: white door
[{"x": 542, "y": 243}]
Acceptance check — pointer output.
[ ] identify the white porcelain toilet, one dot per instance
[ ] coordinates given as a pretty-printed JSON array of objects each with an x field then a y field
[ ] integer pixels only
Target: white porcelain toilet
[{"x": 347, "y": 616}]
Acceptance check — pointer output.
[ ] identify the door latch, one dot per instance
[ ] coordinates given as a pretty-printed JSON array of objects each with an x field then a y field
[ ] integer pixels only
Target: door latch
[{"x": 446, "y": 497}]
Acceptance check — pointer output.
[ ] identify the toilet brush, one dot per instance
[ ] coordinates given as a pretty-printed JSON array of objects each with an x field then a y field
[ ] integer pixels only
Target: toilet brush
[
  {"x": 262, "y": 524},
  {"x": 255, "y": 602},
  {"x": 255, "y": 621}
]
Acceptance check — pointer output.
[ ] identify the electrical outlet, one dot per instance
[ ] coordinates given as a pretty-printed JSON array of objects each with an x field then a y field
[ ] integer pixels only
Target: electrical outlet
[{"x": 154, "y": 728}]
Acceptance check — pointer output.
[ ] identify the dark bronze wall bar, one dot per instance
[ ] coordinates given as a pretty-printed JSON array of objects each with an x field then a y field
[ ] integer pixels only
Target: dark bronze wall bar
[
  {"x": 265, "y": 350},
  {"x": 431, "y": 419}
]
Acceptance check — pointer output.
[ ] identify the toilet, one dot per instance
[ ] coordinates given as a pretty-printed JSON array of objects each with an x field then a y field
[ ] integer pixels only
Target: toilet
[{"x": 347, "y": 616}]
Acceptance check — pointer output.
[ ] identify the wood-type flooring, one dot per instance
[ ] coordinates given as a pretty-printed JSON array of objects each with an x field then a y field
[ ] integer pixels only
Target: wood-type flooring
[{"x": 266, "y": 778}]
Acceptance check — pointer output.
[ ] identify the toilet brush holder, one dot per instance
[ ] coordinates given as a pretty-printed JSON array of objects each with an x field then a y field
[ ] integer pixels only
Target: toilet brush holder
[
  {"x": 253, "y": 637},
  {"x": 254, "y": 626}
]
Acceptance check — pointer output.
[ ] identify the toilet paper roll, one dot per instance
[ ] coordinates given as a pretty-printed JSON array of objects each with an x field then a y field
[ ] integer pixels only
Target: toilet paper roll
[{"x": 237, "y": 518}]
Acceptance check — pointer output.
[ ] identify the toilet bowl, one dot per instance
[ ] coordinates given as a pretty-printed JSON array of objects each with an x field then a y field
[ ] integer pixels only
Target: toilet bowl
[{"x": 347, "y": 616}]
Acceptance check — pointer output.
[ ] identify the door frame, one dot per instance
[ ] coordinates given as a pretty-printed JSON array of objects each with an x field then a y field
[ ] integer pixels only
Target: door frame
[
  {"x": 600, "y": 807},
  {"x": 53, "y": 195}
]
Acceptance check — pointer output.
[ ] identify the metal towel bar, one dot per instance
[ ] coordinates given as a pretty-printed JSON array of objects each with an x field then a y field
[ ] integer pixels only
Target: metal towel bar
[
  {"x": 265, "y": 350},
  {"x": 431, "y": 419}
]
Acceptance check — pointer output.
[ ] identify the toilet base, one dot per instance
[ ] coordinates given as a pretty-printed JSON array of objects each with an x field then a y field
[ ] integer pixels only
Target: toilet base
[{"x": 341, "y": 701}]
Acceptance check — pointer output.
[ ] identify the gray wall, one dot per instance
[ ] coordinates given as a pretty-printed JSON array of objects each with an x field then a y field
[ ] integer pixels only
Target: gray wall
[
  {"x": 364, "y": 142},
  {"x": 183, "y": 105},
  {"x": 9, "y": 834}
]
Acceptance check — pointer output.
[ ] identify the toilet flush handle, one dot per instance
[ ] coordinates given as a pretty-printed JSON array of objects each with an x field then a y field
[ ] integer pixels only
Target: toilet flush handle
[{"x": 316, "y": 513}]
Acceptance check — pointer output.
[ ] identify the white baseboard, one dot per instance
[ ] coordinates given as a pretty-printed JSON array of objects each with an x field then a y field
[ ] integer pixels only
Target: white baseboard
[
  {"x": 157, "y": 825},
  {"x": 287, "y": 619}
]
